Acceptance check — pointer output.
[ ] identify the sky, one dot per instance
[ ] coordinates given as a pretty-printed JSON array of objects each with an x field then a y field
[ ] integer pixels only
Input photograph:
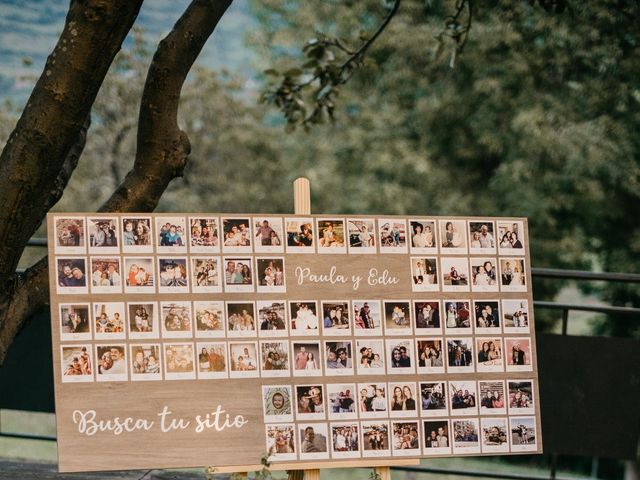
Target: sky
[{"x": 29, "y": 30}]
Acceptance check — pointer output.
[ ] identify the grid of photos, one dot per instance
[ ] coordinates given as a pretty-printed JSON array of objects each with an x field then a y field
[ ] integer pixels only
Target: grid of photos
[{"x": 167, "y": 315}]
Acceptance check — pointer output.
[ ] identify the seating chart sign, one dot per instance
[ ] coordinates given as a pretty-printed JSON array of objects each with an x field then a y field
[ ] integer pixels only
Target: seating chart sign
[{"x": 183, "y": 340}]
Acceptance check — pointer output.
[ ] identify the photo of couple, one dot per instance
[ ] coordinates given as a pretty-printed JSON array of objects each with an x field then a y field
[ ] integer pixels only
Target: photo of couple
[
  {"x": 145, "y": 361},
  {"x": 71, "y": 272},
  {"x": 136, "y": 232},
  {"x": 268, "y": 234},
  {"x": 70, "y": 236},
  {"x": 103, "y": 234}
]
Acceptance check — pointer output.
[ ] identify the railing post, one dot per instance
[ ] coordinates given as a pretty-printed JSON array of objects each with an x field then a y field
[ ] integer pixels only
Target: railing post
[{"x": 565, "y": 321}]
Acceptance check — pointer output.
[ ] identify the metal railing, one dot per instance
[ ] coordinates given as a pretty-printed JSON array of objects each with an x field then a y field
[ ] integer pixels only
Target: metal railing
[{"x": 565, "y": 308}]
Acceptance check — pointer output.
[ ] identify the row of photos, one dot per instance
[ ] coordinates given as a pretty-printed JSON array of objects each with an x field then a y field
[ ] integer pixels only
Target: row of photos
[
  {"x": 338, "y": 440},
  {"x": 270, "y": 318},
  {"x": 179, "y": 275},
  {"x": 269, "y": 234},
  {"x": 243, "y": 359}
]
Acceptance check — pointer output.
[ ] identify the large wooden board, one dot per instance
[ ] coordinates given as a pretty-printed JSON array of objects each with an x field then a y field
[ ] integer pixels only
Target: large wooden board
[{"x": 238, "y": 438}]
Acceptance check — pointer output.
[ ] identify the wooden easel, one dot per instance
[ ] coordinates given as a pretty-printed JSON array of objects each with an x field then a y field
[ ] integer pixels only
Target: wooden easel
[{"x": 309, "y": 471}]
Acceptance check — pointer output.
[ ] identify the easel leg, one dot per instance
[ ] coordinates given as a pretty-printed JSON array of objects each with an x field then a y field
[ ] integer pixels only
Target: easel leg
[
  {"x": 302, "y": 206},
  {"x": 384, "y": 472}
]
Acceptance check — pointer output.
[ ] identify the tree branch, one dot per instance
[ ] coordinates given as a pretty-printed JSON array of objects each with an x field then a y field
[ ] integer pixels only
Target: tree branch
[
  {"x": 28, "y": 293},
  {"x": 163, "y": 148},
  {"x": 38, "y": 149}
]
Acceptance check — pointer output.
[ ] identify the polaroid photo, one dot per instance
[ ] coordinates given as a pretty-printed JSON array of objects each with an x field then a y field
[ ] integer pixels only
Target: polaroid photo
[
  {"x": 269, "y": 234},
  {"x": 241, "y": 319},
  {"x": 484, "y": 274},
  {"x": 145, "y": 362},
  {"x": 397, "y": 317},
  {"x": 71, "y": 273},
  {"x": 423, "y": 236},
  {"x": 205, "y": 275},
  {"x": 75, "y": 321},
  {"x": 400, "y": 359},
  {"x": 172, "y": 275},
  {"x": 436, "y": 437},
  {"x": 495, "y": 435},
  {"x": 300, "y": 235},
  {"x": 306, "y": 358},
  {"x": 103, "y": 235},
  {"x": 314, "y": 441},
  {"x": 513, "y": 276},
  {"x": 402, "y": 399},
  {"x": 137, "y": 235},
  {"x": 455, "y": 274},
  {"x": 140, "y": 275},
  {"x": 463, "y": 397},
  {"x": 424, "y": 274},
  {"x": 243, "y": 359},
  {"x": 406, "y": 439},
  {"x": 70, "y": 236},
  {"x": 331, "y": 235},
  {"x": 430, "y": 353},
  {"x": 303, "y": 316},
  {"x": 237, "y": 235},
  {"x": 338, "y": 357},
  {"x": 210, "y": 319},
  {"x": 277, "y": 401},
  {"x": 204, "y": 234},
  {"x": 362, "y": 236},
  {"x": 457, "y": 320},
  {"x": 76, "y": 363},
  {"x": 143, "y": 320},
  {"x": 109, "y": 320},
  {"x": 280, "y": 442},
  {"x": 176, "y": 319},
  {"x": 515, "y": 316},
  {"x": 518, "y": 354},
  {"x": 309, "y": 402},
  {"x": 427, "y": 315},
  {"x": 179, "y": 361},
  {"x": 492, "y": 397},
  {"x": 275, "y": 358},
  {"x": 367, "y": 317},
  {"x": 453, "y": 236},
  {"x": 482, "y": 237},
  {"x": 237, "y": 275},
  {"x": 105, "y": 275},
  {"x": 524, "y": 435},
  {"x": 460, "y": 355},
  {"x": 521, "y": 401},
  {"x": 392, "y": 234},
  {"x": 212, "y": 360},
  {"x": 270, "y": 274},
  {"x": 373, "y": 400},
  {"x": 433, "y": 399},
  {"x": 272, "y": 318},
  {"x": 171, "y": 234},
  {"x": 465, "y": 435},
  {"x": 112, "y": 363},
  {"x": 511, "y": 235},
  {"x": 370, "y": 356},
  {"x": 486, "y": 317},
  {"x": 336, "y": 320},
  {"x": 345, "y": 442},
  {"x": 341, "y": 401},
  {"x": 375, "y": 439},
  {"x": 490, "y": 357}
]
